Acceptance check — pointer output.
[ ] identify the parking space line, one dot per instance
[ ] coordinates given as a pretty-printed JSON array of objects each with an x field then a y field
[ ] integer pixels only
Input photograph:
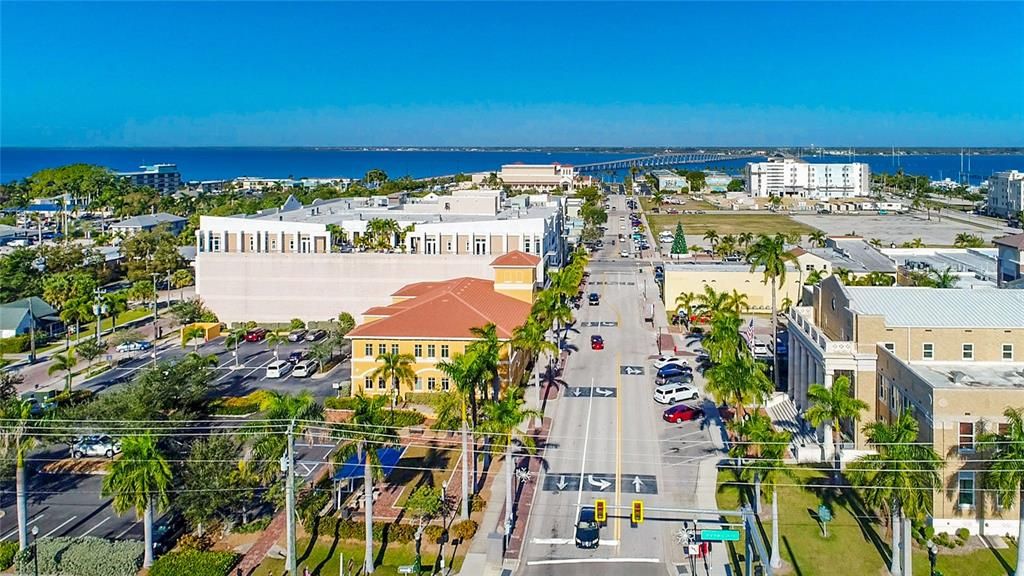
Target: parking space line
[
  {"x": 15, "y": 531},
  {"x": 101, "y": 523},
  {"x": 126, "y": 530},
  {"x": 63, "y": 524}
]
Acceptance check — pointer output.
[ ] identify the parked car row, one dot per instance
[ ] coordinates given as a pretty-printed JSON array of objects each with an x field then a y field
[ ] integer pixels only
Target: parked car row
[{"x": 260, "y": 334}]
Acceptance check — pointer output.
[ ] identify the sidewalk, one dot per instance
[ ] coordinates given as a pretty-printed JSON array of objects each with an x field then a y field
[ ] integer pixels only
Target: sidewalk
[{"x": 476, "y": 562}]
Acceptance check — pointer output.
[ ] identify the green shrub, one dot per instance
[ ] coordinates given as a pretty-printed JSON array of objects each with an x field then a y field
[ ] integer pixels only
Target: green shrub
[
  {"x": 464, "y": 530},
  {"x": 477, "y": 503},
  {"x": 86, "y": 556},
  {"x": 403, "y": 418},
  {"x": 14, "y": 344},
  {"x": 195, "y": 542},
  {"x": 195, "y": 563},
  {"x": 7, "y": 552},
  {"x": 963, "y": 534},
  {"x": 353, "y": 530},
  {"x": 234, "y": 409},
  {"x": 252, "y": 527},
  {"x": 425, "y": 398},
  {"x": 344, "y": 403},
  {"x": 432, "y": 533}
]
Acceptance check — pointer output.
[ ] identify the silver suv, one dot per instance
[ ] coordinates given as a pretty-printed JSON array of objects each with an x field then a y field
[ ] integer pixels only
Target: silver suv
[{"x": 93, "y": 446}]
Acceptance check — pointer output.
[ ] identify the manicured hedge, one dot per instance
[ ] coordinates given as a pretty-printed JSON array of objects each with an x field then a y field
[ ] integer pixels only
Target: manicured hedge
[
  {"x": 353, "y": 530},
  {"x": 195, "y": 563},
  {"x": 343, "y": 403},
  {"x": 403, "y": 418},
  {"x": 86, "y": 556},
  {"x": 7, "y": 552}
]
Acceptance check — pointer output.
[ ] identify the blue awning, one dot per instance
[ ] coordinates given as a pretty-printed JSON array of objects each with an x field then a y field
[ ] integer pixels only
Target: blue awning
[{"x": 353, "y": 467}]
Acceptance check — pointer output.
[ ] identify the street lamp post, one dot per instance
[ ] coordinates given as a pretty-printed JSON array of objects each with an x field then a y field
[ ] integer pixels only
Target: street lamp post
[
  {"x": 98, "y": 310},
  {"x": 35, "y": 549}
]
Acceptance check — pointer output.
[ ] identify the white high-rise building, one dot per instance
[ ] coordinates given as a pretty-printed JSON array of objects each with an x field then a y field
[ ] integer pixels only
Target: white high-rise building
[
  {"x": 1006, "y": 193},
  {"x": 787, "y": 176}
]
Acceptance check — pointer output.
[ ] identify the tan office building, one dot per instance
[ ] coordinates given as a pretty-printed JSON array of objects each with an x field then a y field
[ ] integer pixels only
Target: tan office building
[
  {"x": 684, "y": 277},
  {"x": 847, "y": 327}
]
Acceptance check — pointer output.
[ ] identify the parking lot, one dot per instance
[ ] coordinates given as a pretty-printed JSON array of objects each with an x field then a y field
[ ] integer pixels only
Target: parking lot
[
  {"x": 897, "y": 228},
  {"x": 235, "y": 375}
]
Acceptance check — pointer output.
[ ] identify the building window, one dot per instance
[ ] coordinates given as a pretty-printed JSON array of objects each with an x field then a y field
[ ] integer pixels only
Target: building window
[
  {"x": 526, "y": 244},
  {"x": 881, "y": 391},
  {"x": 367, "y": 383},
  {"x": 417, "y": 350},
  {"x": 1007, "y": 351},
  {"x": 480, "y": 246},
  {"x": 449, "y": 246},
  {"x": 368, "y": 350},
  {"x": 1003, "y": 429},
  {"x": 382, "y": 349},
  {"x": 890, "y": 346},
  {"x": 444, "y": 350},
  {"x": 444, "y": 384},
  {"x": 418, "y": 383},
  {"x": 968, "y": 351},
  {"x": 381, "y": 383},
  {"x": 394, "y": 348},
  {"x": 214, "y": 243},
  {"x": 927, "y": 351},
  {"x": 431, "y": 383},
  {"x": 431, "y": 351},
  {"x": 966, "y": 443},
  {"x": 965, "y": 485}
]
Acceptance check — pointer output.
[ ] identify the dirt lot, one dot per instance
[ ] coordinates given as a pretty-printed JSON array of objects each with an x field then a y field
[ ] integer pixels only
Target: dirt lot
[{"x": 896, "y": 228}]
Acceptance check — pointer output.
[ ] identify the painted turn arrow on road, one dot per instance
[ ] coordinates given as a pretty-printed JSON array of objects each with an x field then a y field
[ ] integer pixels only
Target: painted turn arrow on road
[{"x": 587, "y": 392}]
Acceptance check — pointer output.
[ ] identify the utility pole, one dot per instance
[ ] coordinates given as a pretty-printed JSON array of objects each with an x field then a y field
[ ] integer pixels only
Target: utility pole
[{"x": 291, "y": 564}]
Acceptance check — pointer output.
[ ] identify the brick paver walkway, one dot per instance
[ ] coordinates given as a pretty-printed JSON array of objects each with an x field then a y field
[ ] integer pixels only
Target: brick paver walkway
[{"x": 523, "y": 503}]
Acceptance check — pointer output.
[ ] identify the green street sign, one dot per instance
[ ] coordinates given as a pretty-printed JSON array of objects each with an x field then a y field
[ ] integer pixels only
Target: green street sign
[
  {"x": 720, "y": 535},
  {"x": 824, "y": 514}
]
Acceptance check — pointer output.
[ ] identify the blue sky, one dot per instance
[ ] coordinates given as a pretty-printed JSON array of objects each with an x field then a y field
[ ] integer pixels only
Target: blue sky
[{"x": 263, "y": 74}]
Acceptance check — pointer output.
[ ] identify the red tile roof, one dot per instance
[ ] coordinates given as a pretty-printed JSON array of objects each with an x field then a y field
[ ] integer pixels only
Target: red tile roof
[
  {"x": 798, "y": 251},
  {"x": 516, "y": 258},
  {"x": 1013, "y": 241},
  {"x": 447, "y": 310}
]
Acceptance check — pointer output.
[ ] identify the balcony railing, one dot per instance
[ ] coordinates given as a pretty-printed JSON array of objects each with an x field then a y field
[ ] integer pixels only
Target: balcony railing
[{"x": 800, "y": 318}]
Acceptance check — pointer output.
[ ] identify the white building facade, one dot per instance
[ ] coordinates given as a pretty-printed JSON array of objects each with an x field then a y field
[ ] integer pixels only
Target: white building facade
[
  {"x": 784, "y": 176},
  {"x": 1006, "y": 193}
]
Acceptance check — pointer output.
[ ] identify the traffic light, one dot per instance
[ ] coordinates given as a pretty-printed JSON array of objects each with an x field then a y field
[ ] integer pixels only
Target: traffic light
[
  {"x": 600, "y": 511},
  {"x": 636, "y": 516}
]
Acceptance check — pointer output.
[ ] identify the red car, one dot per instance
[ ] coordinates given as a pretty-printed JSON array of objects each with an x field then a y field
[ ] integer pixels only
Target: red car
[
  {"x": 682, "y": 413},
  {"x": 256, "y": 335},
  {"x": 596, "y": 343}
]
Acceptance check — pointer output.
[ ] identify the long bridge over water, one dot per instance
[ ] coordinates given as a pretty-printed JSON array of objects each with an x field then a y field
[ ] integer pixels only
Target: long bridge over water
[{"x": 658, "y": 160}]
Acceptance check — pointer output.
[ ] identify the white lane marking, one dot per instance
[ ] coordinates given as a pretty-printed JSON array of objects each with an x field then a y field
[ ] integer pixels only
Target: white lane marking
[
  {"x": 15, "y": 531},
  {"x": 609, "y": 542},
  {"x": 551, "y": 541},
  {"x": 63, "y": 524},
  {"x": 583, "y": 458},
  {"x": 101, "y": 523},
  {"x": 593, "y": 561},
  {"x": 126, "y": 530}
]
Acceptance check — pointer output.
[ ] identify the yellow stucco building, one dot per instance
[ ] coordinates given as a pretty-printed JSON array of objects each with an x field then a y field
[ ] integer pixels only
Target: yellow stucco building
[{"x": 432, "y": 322}]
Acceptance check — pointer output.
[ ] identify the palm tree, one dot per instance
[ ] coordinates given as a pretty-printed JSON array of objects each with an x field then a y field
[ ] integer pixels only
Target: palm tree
[
  {"x": 770, "y": 253},
  {"x": 395, "y": 369},
  {"x": 711, "y": 303},
  {"x": 876, "y": 242},
  {"x": 658, "y": 197},
  {"x": 16, "y": 435},
  {"x": 745, "y": 238},
  {"x": 832, "y": 406},
  {"x": 275, "y": 339},
  {"x": 462, "y": 370},
  {"x": 139, "y": 480},
  {"x": 723, "y": 342},
  {"x": 775, "y": 202},
  {"x": 530, "y": 339},
  {"x": 1004, "y": 451},
  {"x": 503, "y": 419},
  {"x": 767, "y": 470},
  {"x": 233, "y": 339},
  {"x": 738, "y": 302},
  {"x": 817, "y": 237},
  {"x": 194, "y": 335},
  {"x": 552, "y": 311},
  {"x": 712, "y": 237},
  {"x": 687, "y": 302},
  {"x": 738, "y": 382},
  {"x": 367, "y": 430},
  {"x": 268, "y": 443},
  {"x": 944, "y": 279},
  {"x": 487, "y": 352},
  {"x": 901, "y": 478},
  {"x": 180, "y": 279},
  {"x": 815, "y": 277},
  {"x": 64, "y": 363}
]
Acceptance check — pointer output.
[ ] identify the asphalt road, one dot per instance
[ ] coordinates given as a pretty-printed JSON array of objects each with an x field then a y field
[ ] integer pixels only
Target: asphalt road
[
  {"x": 231, "y": 380},
  {"x": 615, "y": 447}
]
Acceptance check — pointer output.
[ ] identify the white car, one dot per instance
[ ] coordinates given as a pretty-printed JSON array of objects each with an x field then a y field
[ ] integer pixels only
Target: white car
[
  {"x": 760, "y": 350},
  {"x": 91, "y": 446},
  {"x": 138, "y": 346},
  {"x": 278, "y": 368},
  {"x": 624, "y": 254},
  {"x": 306, "y": 368},
  {"x": 665, "y": 360}
]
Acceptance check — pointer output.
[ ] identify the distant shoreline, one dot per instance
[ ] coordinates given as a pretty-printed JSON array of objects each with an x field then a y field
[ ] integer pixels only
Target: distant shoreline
[{"x": 831, "y": 151}]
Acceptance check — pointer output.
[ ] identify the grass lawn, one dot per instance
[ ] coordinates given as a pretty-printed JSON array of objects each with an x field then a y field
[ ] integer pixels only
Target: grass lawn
[
  {"x": 323, "y": 558},
  {"x": 90, "y": 328},
  {"x": 421, "y": 465},
  {"x": 726, "y": 223},
  {"x": 854, "y": 540}
]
